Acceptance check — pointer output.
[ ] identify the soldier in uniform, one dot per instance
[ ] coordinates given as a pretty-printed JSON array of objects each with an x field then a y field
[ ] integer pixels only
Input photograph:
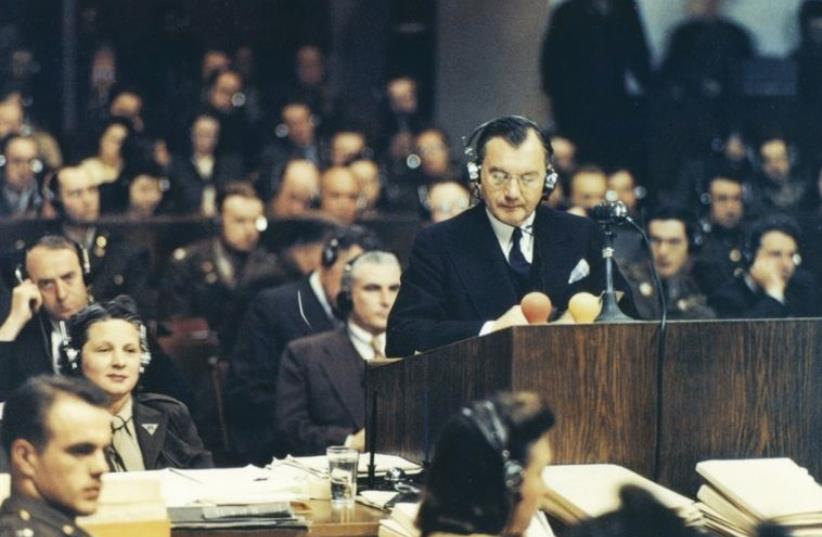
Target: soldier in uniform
[
  {"x": 720, "y": 257},
  {"x": 671, "y": 242},
  {"x": 216, "y": 277},
  {"x": 116, "y": 266},
  {"x": 55, "y": 431}
]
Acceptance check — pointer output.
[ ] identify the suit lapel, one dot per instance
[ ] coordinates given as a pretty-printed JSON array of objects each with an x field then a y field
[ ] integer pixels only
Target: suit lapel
[
  {"x": 551, "y": 248},
  {"x": 345, "y": 370},
  {"x": 480, "y": 264},
  {"x": 151, "y": 427},
  {"x": 312, "y": 315}
]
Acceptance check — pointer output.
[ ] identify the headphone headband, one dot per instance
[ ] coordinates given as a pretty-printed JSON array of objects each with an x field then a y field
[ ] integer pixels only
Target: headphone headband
[{"x": 484, "y": 416}]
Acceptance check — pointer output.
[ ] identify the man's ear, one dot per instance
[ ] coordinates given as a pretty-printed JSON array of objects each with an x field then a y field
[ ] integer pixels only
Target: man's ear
[{"x": 25, "y": 457}]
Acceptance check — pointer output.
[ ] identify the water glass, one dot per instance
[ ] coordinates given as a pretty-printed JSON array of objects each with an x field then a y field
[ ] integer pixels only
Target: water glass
[{"x": 342, "y": 467}]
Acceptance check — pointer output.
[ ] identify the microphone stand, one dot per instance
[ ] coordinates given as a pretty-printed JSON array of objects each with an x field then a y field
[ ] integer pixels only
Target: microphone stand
[{"x": 610, "y": 309}]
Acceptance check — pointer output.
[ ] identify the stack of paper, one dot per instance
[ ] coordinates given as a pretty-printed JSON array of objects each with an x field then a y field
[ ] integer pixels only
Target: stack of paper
[
  {"x": 401, "y": 523},
  {"x": 740, "y": 494},
  {"x": 580, "y": 491},
  {"x": 319, "y": 464}
]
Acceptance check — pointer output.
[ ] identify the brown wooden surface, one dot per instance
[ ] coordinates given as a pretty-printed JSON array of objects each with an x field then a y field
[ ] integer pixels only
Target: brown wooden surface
[
  {"x": 729, "y": 389},
  {"x": 326, "y": 521},
  {"x": 739, "y": 389}
]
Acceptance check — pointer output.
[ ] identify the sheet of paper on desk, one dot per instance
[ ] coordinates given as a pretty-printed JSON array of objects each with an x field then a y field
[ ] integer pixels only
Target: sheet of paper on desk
[
  {"x": 231, "y": 486},
  {"x": 383, "y": 462}
]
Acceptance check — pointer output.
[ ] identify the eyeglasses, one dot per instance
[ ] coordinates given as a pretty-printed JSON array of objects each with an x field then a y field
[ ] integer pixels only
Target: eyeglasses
[{"x": 500, "y": 178}]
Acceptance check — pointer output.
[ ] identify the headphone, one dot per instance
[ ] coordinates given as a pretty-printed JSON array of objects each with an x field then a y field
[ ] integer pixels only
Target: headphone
[
  {"x": 345, "y": 304},
  {"x": 753, "y": 238},
  {"x": 343, "y": 239},
  {"x": 484, "y": 416},
  {"x": 20, "y": 273},
  {"x": 474, "y": 167},
  {"x": 71, "y": 356}
]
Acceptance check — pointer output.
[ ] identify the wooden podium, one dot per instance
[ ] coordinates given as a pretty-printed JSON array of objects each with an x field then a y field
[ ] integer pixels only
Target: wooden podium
[{"x": 725, "y": 389}]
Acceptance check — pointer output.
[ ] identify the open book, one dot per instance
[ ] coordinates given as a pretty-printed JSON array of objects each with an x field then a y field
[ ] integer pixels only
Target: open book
[
  {"x": 580, "y": 491},
  {"x": 740, "y": 494}
]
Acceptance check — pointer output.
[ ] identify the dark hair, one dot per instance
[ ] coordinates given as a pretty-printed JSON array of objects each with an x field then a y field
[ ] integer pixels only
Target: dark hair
[
  {"x": 242, "y": 189},
  {"x": 122, "y": 307},
  {"x": 466, "y": 491},
  {"x": 514, "y": 129},
  {"x": 781, "y": 223},
  {"x": 345, "y": 238},
  {"x": 54, "y": 242},
  {"x": 26, "y": 411},
  {"x": 672, "y": 211}
]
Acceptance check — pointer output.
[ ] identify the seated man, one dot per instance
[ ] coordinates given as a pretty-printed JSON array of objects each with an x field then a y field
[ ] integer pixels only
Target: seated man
[
  {"x": 52, "y": 289},
  {"x": 321, "y": 385},
  {"x": 589, "y": 184},
  {"x": 274, "y": 318},
  {"x": 340, "y": 195},
  {"x": 216, "y": 277},
  {"x": 671, "y": 235},
  {"x": 720, "y": 257},
  {"x": 771, "y": 285},
  {"x": 19, "y": 185},
  {"x": 56, "y": 431},
  {"x": 467, "y": 275},
  {"x": 294, "y": 191}
]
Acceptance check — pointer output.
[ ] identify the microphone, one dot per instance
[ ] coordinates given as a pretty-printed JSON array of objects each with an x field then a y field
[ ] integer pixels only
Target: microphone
[
  {"x": 610, "y": 213},
  {"x": 536, "y": 307}
]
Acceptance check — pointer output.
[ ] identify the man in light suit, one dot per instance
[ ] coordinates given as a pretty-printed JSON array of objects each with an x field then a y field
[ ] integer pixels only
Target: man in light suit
[
  {"x": 320, "y": 388},
  {"x": 274, "y": 318},
  {"x": 466, "y": 276}
]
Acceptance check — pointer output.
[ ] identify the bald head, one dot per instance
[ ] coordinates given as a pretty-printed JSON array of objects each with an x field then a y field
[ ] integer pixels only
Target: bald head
[{"x": 339, "y": 194}]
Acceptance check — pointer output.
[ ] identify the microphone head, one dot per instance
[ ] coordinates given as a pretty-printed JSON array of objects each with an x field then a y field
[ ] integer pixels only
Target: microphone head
[
  {"x": 536, "y": 307},
  {"x": 584, "y": 307},
  {"x": 609, "y": 212}
]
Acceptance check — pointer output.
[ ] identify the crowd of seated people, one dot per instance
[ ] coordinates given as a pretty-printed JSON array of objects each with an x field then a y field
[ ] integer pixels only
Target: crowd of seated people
[{"x": 727, "y": 231}]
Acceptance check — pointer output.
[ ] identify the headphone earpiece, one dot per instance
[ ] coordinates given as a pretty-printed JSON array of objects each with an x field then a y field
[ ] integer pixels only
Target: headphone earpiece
[
  {"x": 474, "y": 167},
  {"x": 345, "y": 304},
  {"x": 330, "y": 252},
  {"x": 484, "y": 416}
]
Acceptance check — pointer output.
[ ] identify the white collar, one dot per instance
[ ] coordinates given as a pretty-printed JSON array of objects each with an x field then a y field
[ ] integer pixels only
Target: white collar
[
  {"x": 362, "y": 340},
  {"x": 317, "y": 287},
  {"x": 504, "y": 232}
]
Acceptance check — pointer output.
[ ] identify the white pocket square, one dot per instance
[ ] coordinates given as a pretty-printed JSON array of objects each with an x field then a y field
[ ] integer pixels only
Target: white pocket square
[{"x": 580, "y": 271}]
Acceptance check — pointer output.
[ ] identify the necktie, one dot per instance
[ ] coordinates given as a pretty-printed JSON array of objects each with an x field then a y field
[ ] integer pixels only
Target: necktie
[
  {"x": 128, "y": 457},
  {"x": 516, "y": 258}
]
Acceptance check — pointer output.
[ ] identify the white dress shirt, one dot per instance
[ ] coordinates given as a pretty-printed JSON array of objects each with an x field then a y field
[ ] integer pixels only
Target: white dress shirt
[{"x": 504, "y": 232}]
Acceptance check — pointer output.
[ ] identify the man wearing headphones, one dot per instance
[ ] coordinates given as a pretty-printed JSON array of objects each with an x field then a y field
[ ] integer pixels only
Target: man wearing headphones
[
  {"x": 671, "y": 233},
  {"x": 216, "y": 277},
  {"x": 274, "y": 318},
  {"x": 52, "y": 289},
  {"x": 466, "y": 276},
  {"x": 771, "y": 285},
  {"x": 116, "y": 267},
  {"x": 19, "y": 186},
  {"x": 321, "y": 384}
]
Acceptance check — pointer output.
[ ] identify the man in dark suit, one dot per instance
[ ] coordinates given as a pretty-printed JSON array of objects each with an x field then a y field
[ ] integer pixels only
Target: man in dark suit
[
  {"x": 274, "y": 318},
  {"x": 772, "y": 284},
  {"x": 320, "y": 388},
  {"x": 53, "y": 289},
  {"x": 466, "y": 276}
]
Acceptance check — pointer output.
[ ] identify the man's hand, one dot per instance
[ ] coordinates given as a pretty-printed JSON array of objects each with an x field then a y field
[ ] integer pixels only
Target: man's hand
[
  {"x": 25, "y": 302},
  {"x": 357, "y": 440},
  {"x": 765, "y": 272},
  {"x": 512, "y": 317}
]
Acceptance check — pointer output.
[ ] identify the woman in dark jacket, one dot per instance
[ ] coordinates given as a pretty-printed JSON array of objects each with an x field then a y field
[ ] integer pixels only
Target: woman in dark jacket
[{"x": 106, "y": 343}]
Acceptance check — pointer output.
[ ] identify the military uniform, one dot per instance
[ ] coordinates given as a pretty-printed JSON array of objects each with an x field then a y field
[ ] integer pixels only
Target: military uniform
[
  {"x": 719, "y": 258},
  {"x": 26, "y": 517},
  {"x": 118, "y": 267},
  {"x": 685, "y": 299},
  {"x": 208, "y": 279}
]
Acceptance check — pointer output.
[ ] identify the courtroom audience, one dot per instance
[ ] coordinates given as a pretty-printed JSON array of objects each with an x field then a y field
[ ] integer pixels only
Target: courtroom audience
[
  {"x": 588, "y": 186},
  {"x": 215, "y": 278},
  {"x": 107, "y": 344},
  {"x": 486, "y": 474},
  {"x": 369, "y": 181},
  {"x": 294, "y": 190},
  {"x": 340, "y": 195},
  {"x": 772, "y": 284},
  {"x": 147, "y": 188},
  {"x": 20, "y": 180},
  {"x": 446, "y": 199},
  {"x": 199, "y": 172},
  {"x": 274, "y": 318},
  {"x": 671, "y": 230},
  {"x": 321, "y": 383},
  {"x": 781, "y": 180},
  {"x": 346, "y": 144}
]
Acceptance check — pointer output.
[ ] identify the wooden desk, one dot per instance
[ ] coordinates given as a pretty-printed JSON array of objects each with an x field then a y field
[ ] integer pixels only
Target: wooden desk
[{"x": 326, "y": 521}]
